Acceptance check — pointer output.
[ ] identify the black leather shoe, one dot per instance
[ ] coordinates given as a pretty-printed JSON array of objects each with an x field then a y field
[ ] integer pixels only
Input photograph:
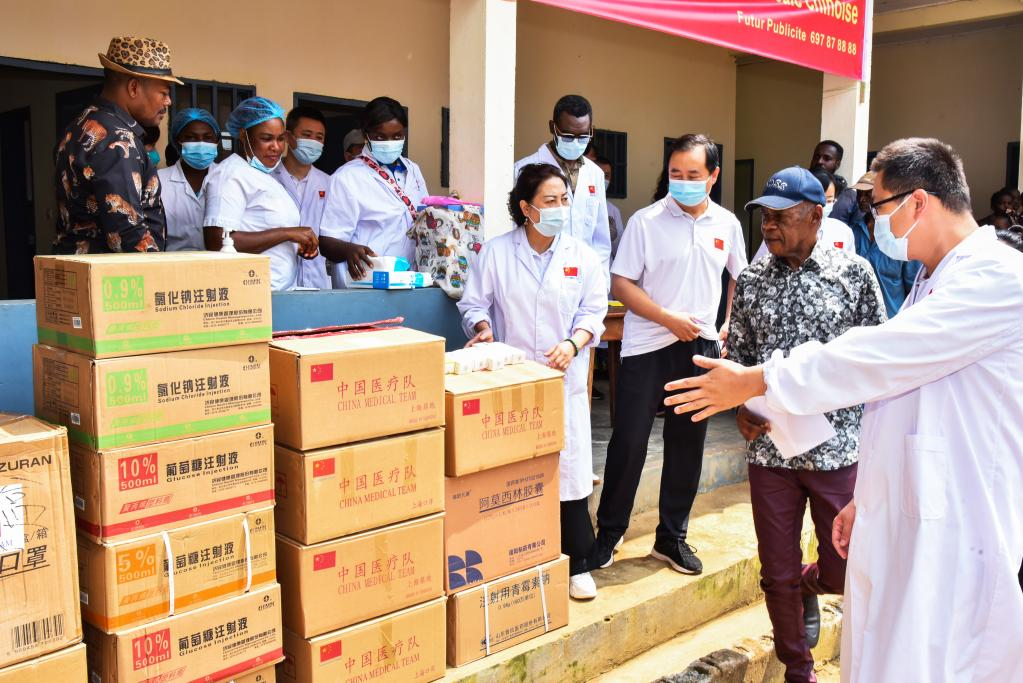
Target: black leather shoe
[
  {"x": 812, "y": 620},
  {"x": 679, "y": 555}
]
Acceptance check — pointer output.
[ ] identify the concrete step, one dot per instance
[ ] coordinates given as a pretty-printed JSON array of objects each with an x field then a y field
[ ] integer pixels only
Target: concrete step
[
  {"x": 642, "y": 603},
  {"x": 734, "y": 648}
]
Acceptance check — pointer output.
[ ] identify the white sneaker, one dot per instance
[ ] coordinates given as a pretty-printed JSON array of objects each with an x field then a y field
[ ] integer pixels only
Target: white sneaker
[{"x": 582, "y": 587}]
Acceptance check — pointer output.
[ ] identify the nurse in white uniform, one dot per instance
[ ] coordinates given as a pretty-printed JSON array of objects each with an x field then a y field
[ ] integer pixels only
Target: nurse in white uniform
[
  {"x": 195, "y": 134},
  {"x": 934, "y": 534},
  {"x": 372, "y": 200},
  {"x": 541, "y": 290},
  {"x": 571, "y": 129},
  {"x": 833, "y": 233},
  {"x": 243, "y": 197}
]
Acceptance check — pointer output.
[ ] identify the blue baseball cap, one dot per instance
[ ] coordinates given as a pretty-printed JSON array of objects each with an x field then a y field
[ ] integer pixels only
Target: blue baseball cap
[{"x": 789, "y": 187}]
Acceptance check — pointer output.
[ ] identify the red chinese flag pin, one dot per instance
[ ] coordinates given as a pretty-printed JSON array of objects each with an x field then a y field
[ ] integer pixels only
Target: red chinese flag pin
[
  {"x": 839, "y": 245},
  {"x": 323, "y": 193},
  {"x": 719, "y": 244},
  {"x": 571, "y": 271},
  {"x": 593, "y": 189},
  {"x": 330, "y": 651}
]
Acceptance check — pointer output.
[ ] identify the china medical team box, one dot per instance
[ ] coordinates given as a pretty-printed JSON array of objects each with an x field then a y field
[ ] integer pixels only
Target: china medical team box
[
  {"x": 105, "y": 305},
  {"x": 215, "y": 643},
  {"x": 342, "y": 490},
  {"x": 117, "y": 402},
  {"x": 404, "y": 647},
  {"x": 266, "y": 674},
  {"x": 350, "y": 384},
  {"x": 63, "y": 666},
  {"x": 38, "y": 569},
  {"x": 124, "y": 493},
  {"x": 170, "y": 572},
  {"x": 508, "y": 611},
  {"x": 498, "y": 417},
  {"x": 500, "y": 521},
  {"x": 337, "y": 583}
]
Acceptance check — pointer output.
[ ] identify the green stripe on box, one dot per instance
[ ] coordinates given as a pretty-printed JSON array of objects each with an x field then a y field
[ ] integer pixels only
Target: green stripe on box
[
  {"x": 165, "y": 342},
  {"x": 168, "y": 432}
]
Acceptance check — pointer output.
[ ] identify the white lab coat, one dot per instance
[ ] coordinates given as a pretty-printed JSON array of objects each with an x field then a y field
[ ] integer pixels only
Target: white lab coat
[
  {"x": 535, "y": 316},
  {"x": 833, "y": 232},
  {"x": 931, "y": 586},
  {"x": 183, "y": 208},
  {"x": 363, "y": 208},
  {"x": 311, "y": 202},
  {"x": 240, "y": 198},
  {"x": 589, "y": 204}
]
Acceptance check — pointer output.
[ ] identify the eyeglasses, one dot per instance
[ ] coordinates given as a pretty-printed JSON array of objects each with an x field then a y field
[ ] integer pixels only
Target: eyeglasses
[
  {"x": 873, "y": 207},
  {"x": 580, "y": 138}
]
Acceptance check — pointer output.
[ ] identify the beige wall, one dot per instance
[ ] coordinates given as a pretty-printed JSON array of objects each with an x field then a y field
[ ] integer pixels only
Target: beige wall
[
  {"x": 778, "y": 116},
  {"x": 647, "y": 84},
  {"x": 315, "y": 46},
  {"x": 963, "y": 89}
]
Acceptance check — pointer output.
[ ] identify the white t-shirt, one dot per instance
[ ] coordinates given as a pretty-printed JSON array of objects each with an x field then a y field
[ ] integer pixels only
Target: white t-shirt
[
  {"x": 184, "y": 209},
  {"x": 833, "y": 233},
  {"x": 677, "y": 260},
  {"x": 238, "y": 197}
]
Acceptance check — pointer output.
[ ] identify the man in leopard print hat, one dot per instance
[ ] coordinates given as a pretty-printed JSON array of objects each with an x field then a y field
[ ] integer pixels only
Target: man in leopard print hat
[{"x": 108, "y": 193}]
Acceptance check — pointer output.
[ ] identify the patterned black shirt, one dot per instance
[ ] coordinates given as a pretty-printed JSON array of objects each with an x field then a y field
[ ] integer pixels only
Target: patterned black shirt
[
  {"x": 776, "y": 307},
  {"x": 108, "y": 193}
]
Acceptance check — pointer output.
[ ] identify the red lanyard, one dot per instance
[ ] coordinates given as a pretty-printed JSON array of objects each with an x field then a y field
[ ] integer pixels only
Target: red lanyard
[{"x": 394, "y": 186}]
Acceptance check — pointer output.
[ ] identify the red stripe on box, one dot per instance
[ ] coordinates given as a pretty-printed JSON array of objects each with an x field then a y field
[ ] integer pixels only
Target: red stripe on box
[
  {"x": 111, "y": 530},
  {"x": 248, "y": 665}
]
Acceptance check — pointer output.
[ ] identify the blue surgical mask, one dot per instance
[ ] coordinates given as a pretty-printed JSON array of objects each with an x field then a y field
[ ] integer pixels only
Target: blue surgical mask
[
  {"x": 552, "y": 220},
  {"x": 154, "y": 157},
  {"x": 891, "y": 246},
  {"x": 199, "y": 155},
  {"x": 307, "y": 151},
  {"x": 571, "y": 149},
  {"x": 254, "y": 161},
  {"x": 688, "y": 192},
  {"x": 386, "y": 151}
]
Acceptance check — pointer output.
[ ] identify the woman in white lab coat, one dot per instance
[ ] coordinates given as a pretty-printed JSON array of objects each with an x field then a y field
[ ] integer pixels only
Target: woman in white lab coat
[
  {"x": 195, "y": 134},
  {"x": 372, "y": 200},
  {"x": 244, "y": 198},
  {"x": 544, "y": 291}
]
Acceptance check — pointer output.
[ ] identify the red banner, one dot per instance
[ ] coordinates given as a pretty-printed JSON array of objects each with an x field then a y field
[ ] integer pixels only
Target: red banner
[{"x": 827, "y": 35}]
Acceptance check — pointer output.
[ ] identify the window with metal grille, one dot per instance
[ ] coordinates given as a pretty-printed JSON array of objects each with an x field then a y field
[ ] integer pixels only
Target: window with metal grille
[
  {"x": 217, "y": 98},
  {"x": 614, "y": 146}
]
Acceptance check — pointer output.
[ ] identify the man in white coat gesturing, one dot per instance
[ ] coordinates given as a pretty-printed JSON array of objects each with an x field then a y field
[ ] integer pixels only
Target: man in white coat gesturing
[
  {"x": 934, "y": 534},
  {"x": 571, "y": 130}
]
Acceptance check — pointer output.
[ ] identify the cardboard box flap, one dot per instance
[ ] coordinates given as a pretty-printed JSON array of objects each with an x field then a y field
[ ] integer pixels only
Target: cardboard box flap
[
  {"x": 146, "y": 258},
  {"x": 363, "y": 534},
  {"x": 372, "y": 622},
  {"x": 523, "y": 373},
  {"x": 335, "y": 329},
  {"x": 23, "y": 428},
  {"x": 344, "y": 341}
]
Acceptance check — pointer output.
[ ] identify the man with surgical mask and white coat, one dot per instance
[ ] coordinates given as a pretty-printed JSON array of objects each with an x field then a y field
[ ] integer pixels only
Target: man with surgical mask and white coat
[
  {"x": 572, "y": 130},
  {"x": 668, "y": 273},
  {"x": 934, "y": 534},
  {"x": 306, "y": 131}
]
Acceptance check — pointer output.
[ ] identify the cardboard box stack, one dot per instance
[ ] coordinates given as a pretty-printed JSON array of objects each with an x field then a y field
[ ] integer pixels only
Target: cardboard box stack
[
  {"x": 506, "y": 579},
  {"x": 158, "y": 365},
  {"x": 360, "y": 499},
  {"x": 38, "y": 584}
]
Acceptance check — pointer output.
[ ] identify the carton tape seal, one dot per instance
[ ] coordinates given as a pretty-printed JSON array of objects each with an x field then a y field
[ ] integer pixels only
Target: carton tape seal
[{"x": 486, "y": 607}]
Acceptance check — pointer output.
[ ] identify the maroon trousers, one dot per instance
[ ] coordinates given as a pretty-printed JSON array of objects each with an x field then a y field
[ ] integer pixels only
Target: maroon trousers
[{"x": 779, "y": 499}]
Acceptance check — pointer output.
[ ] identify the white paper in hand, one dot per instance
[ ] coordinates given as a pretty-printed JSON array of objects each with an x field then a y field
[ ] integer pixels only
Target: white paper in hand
[{"x": 791, "y": 434}]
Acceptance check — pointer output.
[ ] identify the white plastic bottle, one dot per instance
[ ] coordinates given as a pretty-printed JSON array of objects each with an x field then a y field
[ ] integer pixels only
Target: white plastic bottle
[{"x": 227, "y": 245}]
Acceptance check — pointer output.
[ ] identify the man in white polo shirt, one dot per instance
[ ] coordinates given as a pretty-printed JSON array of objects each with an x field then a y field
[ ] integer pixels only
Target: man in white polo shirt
[{"x": 668, "y": 274}]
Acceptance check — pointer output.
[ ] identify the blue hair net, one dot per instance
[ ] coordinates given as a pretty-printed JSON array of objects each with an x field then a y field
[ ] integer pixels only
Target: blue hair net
[
  {"x": 186, "y": 116},
  {"x": 251, "y": 112}
]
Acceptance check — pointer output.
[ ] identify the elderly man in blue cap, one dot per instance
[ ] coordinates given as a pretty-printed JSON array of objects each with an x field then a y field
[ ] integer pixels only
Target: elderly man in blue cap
[
  {"x": 194, "y": 133},
  {"x": 802, "y": 292}
]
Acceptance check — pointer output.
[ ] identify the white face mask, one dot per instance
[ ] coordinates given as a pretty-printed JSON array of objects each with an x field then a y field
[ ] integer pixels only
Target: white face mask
[
  {"x": 552, "y": 220},
  {"x": 828, "y": 207},
  {"x": 891, "y": 246}
]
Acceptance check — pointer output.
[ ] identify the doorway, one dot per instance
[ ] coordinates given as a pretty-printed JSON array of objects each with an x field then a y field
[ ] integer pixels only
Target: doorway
[
  {"x": 18, "y": 194},
  {"x": 744, "y": 193},
  {"x": 342, "y": 117}
]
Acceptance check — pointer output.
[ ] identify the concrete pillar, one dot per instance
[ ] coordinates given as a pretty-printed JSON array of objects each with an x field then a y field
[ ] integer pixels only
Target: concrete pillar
[
  {"x": 845, "y": 111},
  {"x": 482, "y": 101}
]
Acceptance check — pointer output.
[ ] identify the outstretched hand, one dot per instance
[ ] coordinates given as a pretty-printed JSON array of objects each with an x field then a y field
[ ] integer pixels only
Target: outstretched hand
[{"x": 726, "y": 385}]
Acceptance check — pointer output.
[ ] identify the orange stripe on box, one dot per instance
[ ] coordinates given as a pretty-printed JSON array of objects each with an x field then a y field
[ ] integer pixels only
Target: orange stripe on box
[
  {"x": 246, "y": 666},
  {"x": 112, "y": 530}
]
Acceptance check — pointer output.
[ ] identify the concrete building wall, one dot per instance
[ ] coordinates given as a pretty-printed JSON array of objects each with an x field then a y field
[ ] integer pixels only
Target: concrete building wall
[
  {"x": 962, "y": 88},
  {"x": 647, "y": 84}
]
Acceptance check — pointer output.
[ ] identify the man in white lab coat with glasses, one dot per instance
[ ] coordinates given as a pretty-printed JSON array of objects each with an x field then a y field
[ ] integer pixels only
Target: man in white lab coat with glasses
[{"x": 934, "y": 534}]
